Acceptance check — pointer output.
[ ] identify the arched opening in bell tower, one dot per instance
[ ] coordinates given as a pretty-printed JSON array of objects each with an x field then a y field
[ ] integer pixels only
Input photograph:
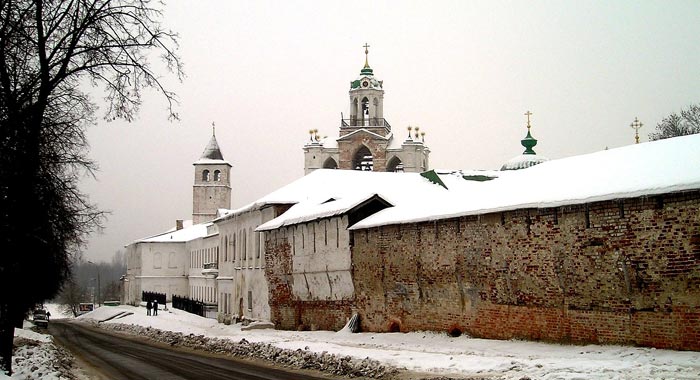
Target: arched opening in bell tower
[
  {"x": 330, "y": 163},
  {"x": 353, "y": 112},
  {"x": 365, "y": 111},
  {"x": 395, "y": 165},
  {"x": 363, "y": 160}
]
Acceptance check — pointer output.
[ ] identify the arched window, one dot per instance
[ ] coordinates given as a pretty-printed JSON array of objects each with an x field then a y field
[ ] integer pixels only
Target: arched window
[
  {"x": 353, "y": 113},
  {"x": 394, "y": 165},
  {"x": 233, "y": 245},
  {"x": 244, "y": 246},
  {"x": 217, "y": 175},
  {"x": 330, "y": 163},
  {"x": 365, "y": 111},
  {"x": 205, "y": 175},
  {"x": 363, "y": 160}
]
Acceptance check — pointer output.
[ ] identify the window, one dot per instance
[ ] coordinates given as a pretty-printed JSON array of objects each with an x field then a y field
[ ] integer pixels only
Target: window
[
  {"x": 244, "y": 247},
  {"x": 233, "y": 245},
  {"x": 217, "y": 176},
  {"x": 205, "y": 175},
  {"x": 253, "y": 243},
  {"x": 258, "y": 247},
  {"x": 172, "y": 260},
  {"x": 157, "y": 260},
  {"x": 250, "y": 300}
]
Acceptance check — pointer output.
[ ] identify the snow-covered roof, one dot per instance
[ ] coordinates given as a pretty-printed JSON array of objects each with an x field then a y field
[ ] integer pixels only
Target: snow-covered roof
[
  {"x": 315, "y": 209},
  {"x": 523, "y": 161},
  {"x": 348, "y": 188},
  {"x": 212, "y": 150},
  {"x": 189, "y": 232},
  {"x": 644, "y": 169}
]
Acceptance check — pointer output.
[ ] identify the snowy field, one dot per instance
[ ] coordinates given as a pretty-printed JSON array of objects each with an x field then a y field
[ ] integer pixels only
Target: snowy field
[{"x": 439, "y": 353}]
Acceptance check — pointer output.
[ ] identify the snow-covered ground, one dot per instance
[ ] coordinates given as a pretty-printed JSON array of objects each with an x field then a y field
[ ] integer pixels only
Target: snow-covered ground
[
  {"x": 438, "y": 353},
  {"x": 35, "y": 356}
]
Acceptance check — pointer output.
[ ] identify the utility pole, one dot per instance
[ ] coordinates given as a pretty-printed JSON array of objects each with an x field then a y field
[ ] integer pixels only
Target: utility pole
[{"x": 97, "y": 268}]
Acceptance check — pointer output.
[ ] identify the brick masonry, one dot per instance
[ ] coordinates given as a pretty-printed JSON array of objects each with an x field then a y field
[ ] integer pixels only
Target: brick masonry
[
  {"x": 614, "y": 272},
  {"x": 349, "y": 147},
  {"x": 624, "y": 272}
]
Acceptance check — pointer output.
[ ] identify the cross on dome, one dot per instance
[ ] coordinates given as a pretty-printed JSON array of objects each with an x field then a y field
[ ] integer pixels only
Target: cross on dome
[
  {"x": 528, "y": 114},
  {"x": 366, "y": 46}
]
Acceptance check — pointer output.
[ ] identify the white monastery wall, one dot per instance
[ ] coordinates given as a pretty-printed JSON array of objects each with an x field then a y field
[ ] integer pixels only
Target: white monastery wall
[
  {"x": 243, "y": 289},
  {"x": 203, "y": 252},
  {"x": 321, "y": 260}
]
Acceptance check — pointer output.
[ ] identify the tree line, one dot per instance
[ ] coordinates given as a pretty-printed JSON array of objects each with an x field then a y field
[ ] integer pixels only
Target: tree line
[{"x": 92, "y": 282}]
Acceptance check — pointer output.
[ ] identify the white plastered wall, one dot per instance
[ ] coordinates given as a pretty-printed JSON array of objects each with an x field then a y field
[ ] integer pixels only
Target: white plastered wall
[{"x": 321, "y": 261}]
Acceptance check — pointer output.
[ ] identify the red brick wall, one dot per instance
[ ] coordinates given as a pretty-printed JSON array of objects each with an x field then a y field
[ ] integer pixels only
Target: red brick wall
[
  {"x": 376, "y": 146},
  {"x": 624, "y": 272}
]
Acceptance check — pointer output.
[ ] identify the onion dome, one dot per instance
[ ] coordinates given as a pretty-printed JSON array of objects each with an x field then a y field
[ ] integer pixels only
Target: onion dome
[
  {"x": 529, "y": 157},
  {"x": 366, "y": 80}
]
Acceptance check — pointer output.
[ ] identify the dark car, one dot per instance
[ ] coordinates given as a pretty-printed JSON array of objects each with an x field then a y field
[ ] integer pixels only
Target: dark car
[{"x": 40, "y": 318}]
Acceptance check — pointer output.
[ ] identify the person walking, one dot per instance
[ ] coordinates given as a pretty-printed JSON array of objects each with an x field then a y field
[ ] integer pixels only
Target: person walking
[
  {"x": 148, "y": 307},
  {"x": 155, "y": 307}
]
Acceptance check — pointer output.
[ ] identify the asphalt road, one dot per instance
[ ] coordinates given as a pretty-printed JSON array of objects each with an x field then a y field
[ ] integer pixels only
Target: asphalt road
[{"x": 117, "y": 357}]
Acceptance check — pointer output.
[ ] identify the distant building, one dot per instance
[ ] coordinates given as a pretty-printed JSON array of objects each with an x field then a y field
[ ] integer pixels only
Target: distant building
[
  {"x": 212, "y": 183},
  {"x": 173, "y": 262},
  {"x": 366, "y": 140}
]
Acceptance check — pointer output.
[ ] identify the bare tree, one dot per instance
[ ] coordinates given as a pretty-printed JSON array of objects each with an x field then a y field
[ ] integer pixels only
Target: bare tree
[
  {"x": 687, "y": 123},
  {"x": 71, "y": 296},
  {"x": 49, "y": 52}
]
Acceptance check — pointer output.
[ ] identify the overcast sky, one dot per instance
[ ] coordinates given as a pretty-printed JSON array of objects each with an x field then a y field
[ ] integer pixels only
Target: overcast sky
[{"x": 464, "y": 71}]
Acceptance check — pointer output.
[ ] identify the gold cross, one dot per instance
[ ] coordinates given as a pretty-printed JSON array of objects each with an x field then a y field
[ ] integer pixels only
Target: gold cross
[
  {"x": 366, "y": 55},
  {"x": 528, "y": 114},
  {"x": 636, "y": 125}
]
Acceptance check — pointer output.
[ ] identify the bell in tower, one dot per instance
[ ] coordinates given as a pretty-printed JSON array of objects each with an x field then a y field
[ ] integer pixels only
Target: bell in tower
[{"x": 366, "y": 100}]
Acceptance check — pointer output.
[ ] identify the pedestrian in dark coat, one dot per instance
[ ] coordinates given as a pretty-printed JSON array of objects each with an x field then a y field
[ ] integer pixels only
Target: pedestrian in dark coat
[
  {"x": 148, "y": 307},
  {"x": 155, "y": 307}
]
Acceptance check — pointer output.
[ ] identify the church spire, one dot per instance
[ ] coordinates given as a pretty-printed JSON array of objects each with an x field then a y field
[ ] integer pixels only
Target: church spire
[
  {"x": 212, "y": 151},
  {"x": 366, "y": 70}
]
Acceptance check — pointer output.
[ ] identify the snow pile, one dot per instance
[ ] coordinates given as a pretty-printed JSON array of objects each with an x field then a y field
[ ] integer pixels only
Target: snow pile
[
  {"x": 36, "y": 357},
  {"x": 105, "y": 313},
  {"x": 344, "y": 365},
  {"x": 426, "y": 352}
]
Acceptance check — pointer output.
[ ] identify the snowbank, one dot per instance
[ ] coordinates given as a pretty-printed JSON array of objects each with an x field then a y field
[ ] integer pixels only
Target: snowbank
[{"x": 443, "y": 355}]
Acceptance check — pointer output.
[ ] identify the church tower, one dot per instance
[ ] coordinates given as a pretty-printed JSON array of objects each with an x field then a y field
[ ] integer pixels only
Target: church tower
[
  {"x": 212, "y": 183},
  {"x": 366, "y": 141}
]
